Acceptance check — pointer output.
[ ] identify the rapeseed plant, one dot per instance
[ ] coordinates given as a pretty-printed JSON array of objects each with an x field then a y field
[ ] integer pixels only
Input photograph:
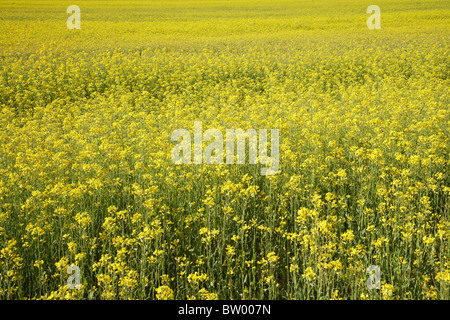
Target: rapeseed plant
[{"x": 86, "y": 176}]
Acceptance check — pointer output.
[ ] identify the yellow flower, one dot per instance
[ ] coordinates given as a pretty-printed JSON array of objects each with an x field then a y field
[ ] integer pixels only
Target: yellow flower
[
  {"x": 164, "y": 293},
  {"x": 427, "y": 240},
  {"x": 348, "y": 236},
  {"x": 293, "y": 267},
  {"x": 387, "y": 291},
  {"x": 230, "y": 250},
  {"x": 203, "y": 294},
  {"x": 309, "y": 274},
  {"x": 38, "y": 263},
  {"x": 196, "y": 278},
  {"x": 272, "y": 257}
]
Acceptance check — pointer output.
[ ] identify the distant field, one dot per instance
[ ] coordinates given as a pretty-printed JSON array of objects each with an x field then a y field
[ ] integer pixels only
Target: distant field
[{"x": 87, "y": 179}]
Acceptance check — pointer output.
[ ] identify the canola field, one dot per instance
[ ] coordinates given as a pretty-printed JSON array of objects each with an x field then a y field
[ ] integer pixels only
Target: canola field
[{"x": 87, "y": 179}]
